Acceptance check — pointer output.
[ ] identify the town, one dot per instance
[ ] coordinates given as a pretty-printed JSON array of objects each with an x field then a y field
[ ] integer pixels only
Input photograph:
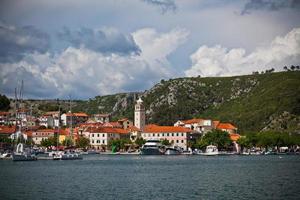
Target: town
[{"x": 98, "y": 134}]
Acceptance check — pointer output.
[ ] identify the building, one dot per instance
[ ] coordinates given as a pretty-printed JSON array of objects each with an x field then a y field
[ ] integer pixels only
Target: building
[
  {"x": 73, "y": 119},
  {"x": 139, "y": 114},
  {"x": 125, "y": 123},
  {"x": 197, "y": 125},
  {"x": 41, "y": 134},
  {"x": 228, "y": 127},
  {"x": 103, "y": 118},
  {"x": 177, "y": 136},
  {"x": 101, "y": 136},
  {"x": 4, "y": 118}
]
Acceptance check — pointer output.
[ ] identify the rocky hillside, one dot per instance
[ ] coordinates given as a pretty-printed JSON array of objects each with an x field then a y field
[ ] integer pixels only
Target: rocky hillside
[{"x": 252, "y": 102}]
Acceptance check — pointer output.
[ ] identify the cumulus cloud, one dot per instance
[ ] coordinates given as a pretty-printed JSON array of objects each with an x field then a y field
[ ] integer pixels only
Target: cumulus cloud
[
  {"x": 269, "y": 5},
  {"x": 15, "y": 42},
  {"x": 105, "y": 40},
  {"x": 84, "y": 73},
  {"x": 219, "y": 61},
  {"x": 164, "y": 5}
]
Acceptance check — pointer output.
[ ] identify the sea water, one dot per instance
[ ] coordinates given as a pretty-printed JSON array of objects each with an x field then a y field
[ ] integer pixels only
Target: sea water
[{"x": 153, "y": 177}]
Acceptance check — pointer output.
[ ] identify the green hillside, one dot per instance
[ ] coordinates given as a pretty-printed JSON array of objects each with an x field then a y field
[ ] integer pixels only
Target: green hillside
[{"x": 252, "y": 102}]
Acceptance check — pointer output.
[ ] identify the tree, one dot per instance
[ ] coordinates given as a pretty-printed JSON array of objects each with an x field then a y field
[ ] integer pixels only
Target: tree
[
  {"x": 216, "y": 137},
  {"x": 4, "y": 103},
  {"x": 51, "y": 141},
  {"x": 140, "y": 142},
  {"x": 293, "y": 67},
  {"x": 244, "y": 142},
  {"x": 67, "y": 142},
  {"x": 83, "y": 142},
  {"x": 165, "y": 142},
  {"x": 285, "y": 68},
  {"x": 119, "y": 144}
]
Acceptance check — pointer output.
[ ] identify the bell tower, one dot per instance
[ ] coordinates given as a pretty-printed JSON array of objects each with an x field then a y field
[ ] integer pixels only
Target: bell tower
[{"x": 139, "y": 114}]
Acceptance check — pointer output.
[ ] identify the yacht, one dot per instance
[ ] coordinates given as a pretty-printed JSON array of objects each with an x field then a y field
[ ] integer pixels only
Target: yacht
[
  {"x": 23, "y": 155},
  {"x": 152, "y": 147},
  {"x": 211, "y": 150}
]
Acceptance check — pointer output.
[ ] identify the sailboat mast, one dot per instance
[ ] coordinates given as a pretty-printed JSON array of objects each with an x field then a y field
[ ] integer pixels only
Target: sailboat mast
[{"x": 71, "y": 128}]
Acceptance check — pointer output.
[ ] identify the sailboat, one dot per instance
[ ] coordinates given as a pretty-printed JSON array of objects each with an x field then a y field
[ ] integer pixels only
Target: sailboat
[{"x": 21, "y": 153}]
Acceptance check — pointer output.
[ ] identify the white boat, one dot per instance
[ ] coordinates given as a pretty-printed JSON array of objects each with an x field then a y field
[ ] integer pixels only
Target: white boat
[
  {"x": 211, "y": 150},
  {"x": 67, "y": 156},
  {"x": 152, "y": 147},
  {"x": 6, "y": 156},
  {"x": 172, "y": 151},
  {"x": 23, "y": 155}
]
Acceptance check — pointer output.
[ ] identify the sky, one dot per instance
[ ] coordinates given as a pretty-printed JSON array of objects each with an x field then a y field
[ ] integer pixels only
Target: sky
[{"x": 86, "y": 48}]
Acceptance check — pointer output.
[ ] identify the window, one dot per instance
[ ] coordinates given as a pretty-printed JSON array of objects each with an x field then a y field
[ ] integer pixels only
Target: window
[
  {"x": 92, "y": 135},
  {"x": 182, "y": 141},
  {"x": 98, "y": 135},
  {"x": 103, "y": 135},
  {"x": 182, "y": 134},
  {"x": 172, "y": 134},
  {"x": 177, "y": 134},
  {"x": 92, "y": 141},
  {"x": 103, "y": 141},
  {"x": 177, "y": 141}
]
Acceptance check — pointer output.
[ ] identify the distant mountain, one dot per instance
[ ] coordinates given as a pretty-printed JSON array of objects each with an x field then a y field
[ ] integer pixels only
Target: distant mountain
[{"x": 269, "y": 101}]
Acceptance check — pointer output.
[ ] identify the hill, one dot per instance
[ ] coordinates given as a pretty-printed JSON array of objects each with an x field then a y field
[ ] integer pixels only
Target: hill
[
  {"x": 269, "y": 101},
  {"x": 252, "y": 102}
]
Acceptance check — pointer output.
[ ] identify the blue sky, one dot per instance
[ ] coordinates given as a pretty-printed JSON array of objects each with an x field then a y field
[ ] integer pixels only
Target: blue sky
[{"x": 88, "y": 48}]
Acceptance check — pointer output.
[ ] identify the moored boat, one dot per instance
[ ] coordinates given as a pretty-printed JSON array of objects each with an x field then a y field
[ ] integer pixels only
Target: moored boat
[
  {"x": 172, "y": 151},
  {"x": 152, "y": 147},
  {"x": 23, "y": 155},
  {"x": 211, "y": 150}
]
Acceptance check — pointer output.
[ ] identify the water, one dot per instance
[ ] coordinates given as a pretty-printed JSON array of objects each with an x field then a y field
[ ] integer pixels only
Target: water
[{"x": 153, "y": 177}]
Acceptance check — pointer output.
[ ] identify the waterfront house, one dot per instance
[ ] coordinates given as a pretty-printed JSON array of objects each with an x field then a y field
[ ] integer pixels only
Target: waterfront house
[
  {"x": 177, "y": 136},
  {"x": 101, "y": 136},
  {"x": 41, "y": 134}
]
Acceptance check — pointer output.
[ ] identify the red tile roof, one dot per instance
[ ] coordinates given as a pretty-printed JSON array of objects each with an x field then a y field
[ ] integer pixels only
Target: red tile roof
[
  {"x": 234, "y": 136},
  {"x": 81, "y": 114},
  {"x": 108, "y": 130},
  {"x": 133, "y": 128},
  {"x": 227, "y": 126},
  {"x": 152, "y": 128},
  {"x": 192, "y": 121},
  {"x": 113, "y": 124},
  {"x": 4, "y": 113},
  {"x": 7, "y": 129}
]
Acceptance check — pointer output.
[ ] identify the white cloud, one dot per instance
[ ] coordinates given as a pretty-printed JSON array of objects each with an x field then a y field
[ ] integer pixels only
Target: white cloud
[
  {"x": 84, "y": 73},
  {"x": 219, "y": 61}
]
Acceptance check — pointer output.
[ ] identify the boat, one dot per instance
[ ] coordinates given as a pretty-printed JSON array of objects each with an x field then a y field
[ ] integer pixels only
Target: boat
[
  {"x": 211, "y": 150},
  {"x": 172, "y": 151},
  {"x": 67, "y": 156},
  {"x": 22, "y": 154},
  {"x": 152, "y": 147},
  {"x": 5, "y": 156}
]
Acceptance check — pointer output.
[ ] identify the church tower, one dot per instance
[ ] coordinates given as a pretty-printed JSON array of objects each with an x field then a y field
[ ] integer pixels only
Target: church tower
[{"x": 139, "y": 114}]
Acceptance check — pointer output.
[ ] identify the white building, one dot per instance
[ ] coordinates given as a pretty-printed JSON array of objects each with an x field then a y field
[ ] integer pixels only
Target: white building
[
  {"x": 139, "y": 115},
  {"x": 199, "y": 125},
  {"x": 101, "y": 136},
  {"x": 177, "y": 136}
]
